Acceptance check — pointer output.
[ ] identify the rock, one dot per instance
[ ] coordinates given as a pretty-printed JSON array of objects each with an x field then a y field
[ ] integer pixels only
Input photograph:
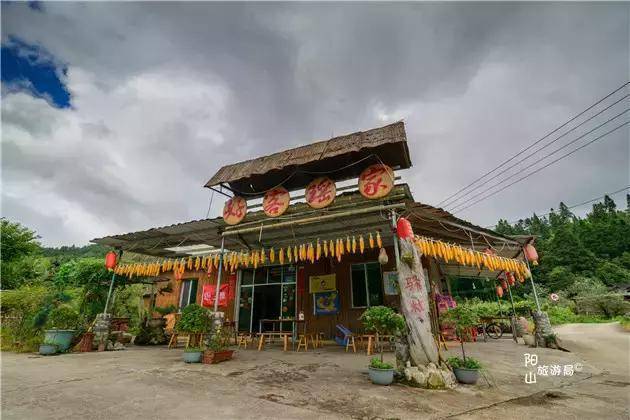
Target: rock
[
  {"x": 119, "y": 346},
  {"x": 430, "y": 377},
  {"x": 529, "y": 340},
  {"x": 109, "y": 346}
]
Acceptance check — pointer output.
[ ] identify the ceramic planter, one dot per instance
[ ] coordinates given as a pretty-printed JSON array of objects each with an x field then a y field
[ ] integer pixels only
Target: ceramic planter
[
  {"x": 192, "y": 356},
  {"x": 61, "y": 338},
  {"x": 211, "y": 357},
  {"x": 466, "y": 376},
  {"x": 47, "y": 349},
  {"x": 381, "y": 376}
]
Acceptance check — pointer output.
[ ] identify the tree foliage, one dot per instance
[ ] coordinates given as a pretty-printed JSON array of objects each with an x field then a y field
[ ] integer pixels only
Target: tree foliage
[{"x": 575, "y": 251}]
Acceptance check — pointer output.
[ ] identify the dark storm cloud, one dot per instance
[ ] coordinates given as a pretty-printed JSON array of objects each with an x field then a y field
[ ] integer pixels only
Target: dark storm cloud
[{"x": 164, "y": 94}]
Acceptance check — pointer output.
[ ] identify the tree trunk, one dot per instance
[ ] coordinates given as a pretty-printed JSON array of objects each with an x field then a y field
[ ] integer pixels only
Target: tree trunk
[{"x": 414, "y": 303}]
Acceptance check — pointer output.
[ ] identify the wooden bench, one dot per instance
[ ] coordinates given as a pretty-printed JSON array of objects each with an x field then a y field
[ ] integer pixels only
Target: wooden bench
[{"x": 285, "y": 335}]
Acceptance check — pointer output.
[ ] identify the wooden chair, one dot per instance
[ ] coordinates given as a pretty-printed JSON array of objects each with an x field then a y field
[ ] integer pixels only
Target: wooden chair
[
  {"x": 345, "y": 337},
  {"x": 303, "y": 341}
]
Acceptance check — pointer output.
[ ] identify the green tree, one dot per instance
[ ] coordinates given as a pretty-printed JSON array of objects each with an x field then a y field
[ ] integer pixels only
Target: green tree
[{"x": 17, "y": 243}]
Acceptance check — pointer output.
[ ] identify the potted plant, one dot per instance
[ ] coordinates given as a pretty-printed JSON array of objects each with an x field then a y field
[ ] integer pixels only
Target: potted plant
[
  {"x": 382, "y": 321},
  {"x": 61, "y": 325},
  {"x": 466, "y": 369},
  {"x": 192, "y": 354},
  {"x": 195, "y": 321},
  {"x": 217, "y": 347},
  {"x": 46, "y": 348}
]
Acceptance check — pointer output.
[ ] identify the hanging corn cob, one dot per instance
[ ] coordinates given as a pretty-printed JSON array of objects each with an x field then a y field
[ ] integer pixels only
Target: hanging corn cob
[
  {"x": 379, "y": 242},
  {"x": 281, "y": 256},
  {"x": 348, "y": 244},
  {"x": 326, "y": 249},
  {"x": 371, "y": 241},
  {"x": 354, "y": 245},
  {"x": 361, "y": 244},
  {"x": 318, "y": 250}
]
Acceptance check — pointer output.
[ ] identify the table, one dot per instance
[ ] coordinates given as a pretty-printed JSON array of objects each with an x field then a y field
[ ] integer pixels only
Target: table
[{"x": 295, "y": 324}]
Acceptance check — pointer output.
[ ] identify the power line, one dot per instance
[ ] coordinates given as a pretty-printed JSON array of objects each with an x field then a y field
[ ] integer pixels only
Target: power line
[
  {"x": 572, "y": 206},
  {"x": 452, "y": 203},
  {"x": 545, "y": 166},
  {"x": 537, "y": 161},
  {"x": 535, "y": 143}
]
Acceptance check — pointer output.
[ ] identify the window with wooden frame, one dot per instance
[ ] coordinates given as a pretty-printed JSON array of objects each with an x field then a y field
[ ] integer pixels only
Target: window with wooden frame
[
  {"x": 188, "y": 293},
  {"x": 367, "y": 285}
]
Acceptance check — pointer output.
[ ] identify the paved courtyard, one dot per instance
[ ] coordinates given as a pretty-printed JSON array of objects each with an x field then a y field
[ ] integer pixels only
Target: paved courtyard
[{"x": 153, "y": 382}]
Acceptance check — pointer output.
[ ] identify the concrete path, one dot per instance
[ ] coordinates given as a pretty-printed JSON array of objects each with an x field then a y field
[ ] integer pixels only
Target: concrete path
[{"x": 154, "y": 383}]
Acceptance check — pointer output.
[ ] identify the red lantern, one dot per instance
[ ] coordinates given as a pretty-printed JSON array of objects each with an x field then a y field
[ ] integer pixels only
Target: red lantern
[
  {"x": 110, "y": 260},
  {"x": 403, "y": 229},
  {"x": 510, "y": 278},
  {"x": 499, "y": 291},
  {"x": 531, "y": 254}
]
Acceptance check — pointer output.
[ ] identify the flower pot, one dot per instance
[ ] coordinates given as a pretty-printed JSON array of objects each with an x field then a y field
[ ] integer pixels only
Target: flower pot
[
  {"x": 62, "y": 338},
  {"x": 466, "y": 376},
  {"x": 211, "y": 357},
  {"x": 381, "y": 376},
  {"x": 192, "y": 356},
  {"x": 47, "y": 349}
]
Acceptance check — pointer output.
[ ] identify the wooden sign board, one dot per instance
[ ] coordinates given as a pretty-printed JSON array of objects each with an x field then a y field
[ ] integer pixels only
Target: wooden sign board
[
  {"x": 376, "y": 181},
  {"x": 320, "y": 192},
  {"x": 234, "y": 210},
  {"x": 276, "y": 202}
]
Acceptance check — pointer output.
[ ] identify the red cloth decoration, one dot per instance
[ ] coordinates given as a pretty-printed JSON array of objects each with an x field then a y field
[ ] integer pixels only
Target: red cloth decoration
[
  {"x": 232, "y": 286},
  {"x": 207, "y": 298}
]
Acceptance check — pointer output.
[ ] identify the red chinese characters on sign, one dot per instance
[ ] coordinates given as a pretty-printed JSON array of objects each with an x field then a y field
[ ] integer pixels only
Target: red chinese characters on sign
[
  {"x": 320, "y": 192},
  {"x": 207, "y": 298},
  {"x": 376, "y": 181},
  {"x": 276, "y": 202},
  {"x": 234, "y": 210},
  {"x": 417, "y": 307},
  {"x": 413, "y": 284}
]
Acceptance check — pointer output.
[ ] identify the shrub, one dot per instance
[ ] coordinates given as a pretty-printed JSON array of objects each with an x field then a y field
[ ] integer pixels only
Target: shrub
[
  {"x": 467, "y": 363},
  {"x": 20, "y": 331},
  {"x": 195, "y": 319},
  {"x": 63, "y": 317},
  {"x": 383, "y": 321},
  {"x": 192, "y": 349},
  {"x": 561, "y": 315},
  {"x": 377, "y": 363}
]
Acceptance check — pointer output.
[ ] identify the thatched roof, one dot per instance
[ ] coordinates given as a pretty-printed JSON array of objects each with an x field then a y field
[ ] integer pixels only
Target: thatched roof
[{"x": 340, "y": 158}]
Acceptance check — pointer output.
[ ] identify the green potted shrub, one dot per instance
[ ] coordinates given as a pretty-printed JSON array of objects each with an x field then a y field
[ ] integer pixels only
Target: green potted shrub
[
  {"x": 195, "y": 320},
  {"x": 466, "y": 369},
  {"x": 217, "y": 347},
  {"x": 382, "y": 321},
  {"x": 62, "y": 324}
]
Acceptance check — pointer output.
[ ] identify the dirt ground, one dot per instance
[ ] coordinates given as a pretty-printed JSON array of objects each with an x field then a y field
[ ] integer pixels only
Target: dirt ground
[{"x": 150, "y": 382}]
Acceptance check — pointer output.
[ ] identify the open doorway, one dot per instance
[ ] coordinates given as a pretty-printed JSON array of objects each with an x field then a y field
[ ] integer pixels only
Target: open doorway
[{"x": 266, "y": 293}]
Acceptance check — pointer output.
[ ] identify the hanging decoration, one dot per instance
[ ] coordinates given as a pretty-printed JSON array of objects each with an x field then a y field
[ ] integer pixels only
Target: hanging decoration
[
  {"x": 276, "y": 201},
  {"x": 465, "y": 256},
  {"x": 313, "y": 251},
  {"x": 234, "y": 210},
  {"x": 110, "y": 260},
  {"x": 320, "y": 192},
  {"x": 376, "y": 181},
  {"x": 403, "y": 229},
  {"x": 531, "y": 254}
]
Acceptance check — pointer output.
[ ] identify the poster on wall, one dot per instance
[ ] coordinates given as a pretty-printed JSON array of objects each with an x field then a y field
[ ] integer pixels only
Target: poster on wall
[
  {"x": 326, "y": 303},
  {"x": 390, "y": 282},
  {"x": 326, "y": 283},
  {"x": 207, "y": 298}
]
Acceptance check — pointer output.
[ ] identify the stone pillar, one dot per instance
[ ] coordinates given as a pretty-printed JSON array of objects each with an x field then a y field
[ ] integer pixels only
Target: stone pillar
[{"x": 414, "y": 302}]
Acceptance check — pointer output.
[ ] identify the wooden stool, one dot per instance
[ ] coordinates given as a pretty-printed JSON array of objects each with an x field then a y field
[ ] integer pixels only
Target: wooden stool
[
  {"x": 243, "y": 339},
  {"x": 349, "y": 340},
  {"x": 261, "y": 341},
  {"x": 303, "y": 341},
  {"x": 173, "y": 341},
  {"x": 285, "y": 341}
]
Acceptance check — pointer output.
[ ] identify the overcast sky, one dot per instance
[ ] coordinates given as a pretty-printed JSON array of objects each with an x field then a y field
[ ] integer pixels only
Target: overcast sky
[{"x": 160, "y": 95}]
